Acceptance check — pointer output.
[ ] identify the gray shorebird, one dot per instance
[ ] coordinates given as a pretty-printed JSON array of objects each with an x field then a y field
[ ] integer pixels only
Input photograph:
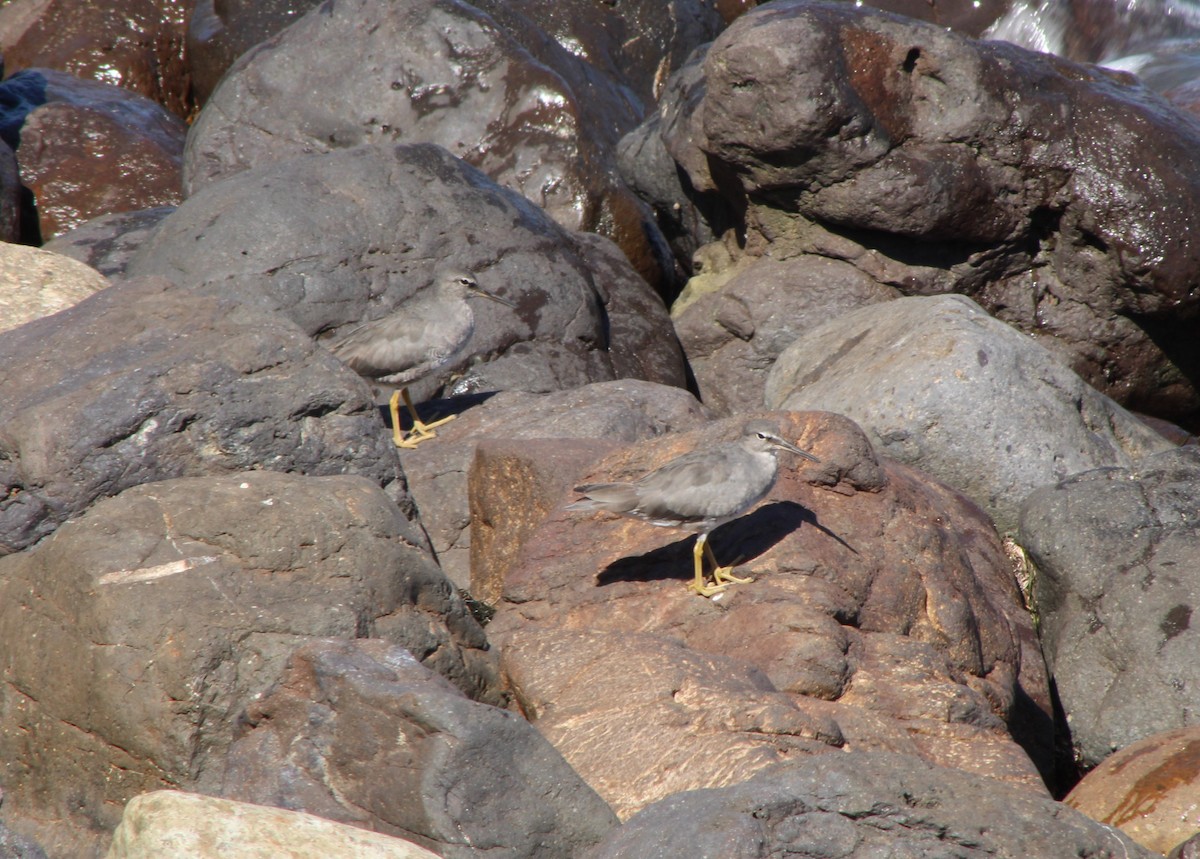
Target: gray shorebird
[
  {"x": 699, "y": 491},
  {"x": 423, "y": 336}
]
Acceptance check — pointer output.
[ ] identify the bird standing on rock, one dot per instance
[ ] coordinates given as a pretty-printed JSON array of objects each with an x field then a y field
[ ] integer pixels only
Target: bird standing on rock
[
  {"x": 423, "y": 336},
  {"x": 699, "y": 491}
]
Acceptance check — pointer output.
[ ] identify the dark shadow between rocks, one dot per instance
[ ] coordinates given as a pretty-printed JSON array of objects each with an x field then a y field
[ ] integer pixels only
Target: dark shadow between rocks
[
  {"x": 1175, "y": 336},
  {"x": 736, "y": 542}
]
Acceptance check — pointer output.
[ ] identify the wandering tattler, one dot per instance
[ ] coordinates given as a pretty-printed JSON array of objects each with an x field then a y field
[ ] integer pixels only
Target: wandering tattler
[
  {"x": 424, "y": 335},
  {"x": 699, "y": 491}
]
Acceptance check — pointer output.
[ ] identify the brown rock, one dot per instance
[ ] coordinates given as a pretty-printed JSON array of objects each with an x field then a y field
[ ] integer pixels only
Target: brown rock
[
  {"x": 624, "y": 410},
  {"x": 511, "y": 487},
  {"x": 883, "y": 603},
  {"x": 135, "y": 44},
  {"x": 1147, "y": 790},
  {"x": 91, "y": 149}
]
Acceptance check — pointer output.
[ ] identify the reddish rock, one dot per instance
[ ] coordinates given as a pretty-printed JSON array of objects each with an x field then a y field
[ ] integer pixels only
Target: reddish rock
[
  {"x": 883, "y": 603},
  {"x": 89, "y": 149},
  {"x": 1147, "y": 790},
  {"x": 135, "y": 44}
]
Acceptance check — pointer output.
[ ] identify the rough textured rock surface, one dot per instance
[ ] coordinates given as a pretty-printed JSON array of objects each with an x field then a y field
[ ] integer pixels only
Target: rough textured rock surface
[
  {"x": 359, "y": 732},
  {"x": 36, "y": 283},
  {"x": 484, "y": 81},
  {"x": 13, "y": 215},
  {"x": 939, "y": 384},
  {"x": 136, "y": 44},
  {"x": 90, "y": 148},
  {"x": 935, "y": 164},
  {"x": 1115, "y": 551},
  {"x": 1147, "y": 790},
  {"x": 735, "y": 329},
  {"x": 620, "y": 411},
  {"x": 934, "y": 655},
  {"x": 219, "y": 33},
  {"x": 109, "y": 242},
  {"x": 178, "y": 825},
  {"x": 865, "y": 805},
  {"x": 146, "y": 381},
  {"x": 163, "y": 613},
  {"x": 278, "y": 235}
]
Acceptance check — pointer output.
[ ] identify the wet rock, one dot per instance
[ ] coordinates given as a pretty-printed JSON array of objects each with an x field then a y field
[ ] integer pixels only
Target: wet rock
[
  {"x": 145, "y": 381},
  {"x": 621, "y": 411},
  {"x": 939, "y": 384},
  {"x": 1113, "y": 548},
  {"x": 935, "y": 656},
  {"x": 87, "y": 148},
  {"x": 277, "y": 235},
  {"x": 109, "y": 242},
  {"x": 733, "y": 333},
  {"x": 163, "y": 613},
  {"x": 169, "y": 824},
  {"x": 969, "y": 17},
  {"x": 936, "y": 164},
  {"x": 13, "y": 212},
  {"x": 861, "y": 805},
  {"x": 488, "y": 84},
  {"x": 36, "y": 283},
  {"x": 134, "y": 44},
  {"x": 220, "y": 33},
  {"x": 360, "y": 733},
  {"x": 1147, "y": 790}
]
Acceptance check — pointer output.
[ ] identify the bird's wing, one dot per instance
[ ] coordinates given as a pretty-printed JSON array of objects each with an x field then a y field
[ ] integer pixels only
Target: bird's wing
[
  {"x": 698, "y": 485},
  {"x": 613, "y": 497}
]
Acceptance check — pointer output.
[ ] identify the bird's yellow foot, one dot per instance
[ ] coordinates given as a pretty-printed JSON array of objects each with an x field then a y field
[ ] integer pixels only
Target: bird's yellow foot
[
  {"x": 420, "y": 432},
  {"x": 724, "y": 576},
  {"x": 706, "y": 590}
]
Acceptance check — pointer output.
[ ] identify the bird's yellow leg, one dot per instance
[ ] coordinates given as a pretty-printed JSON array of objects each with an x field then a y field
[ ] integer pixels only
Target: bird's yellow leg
[
  {"x": 723, "y": 575},
  {"x": 699, "y": 586},
  {"x": 420, "y": 430}
]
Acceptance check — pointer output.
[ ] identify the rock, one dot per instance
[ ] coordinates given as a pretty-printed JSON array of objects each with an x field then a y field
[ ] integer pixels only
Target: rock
[
  {"x": 163, "y": 613},
  {"x": 109, "y": 242},
  {"x": 733, "y": 334},
  {"x": 865, "y": 805},
  {"x": 14, "y": 214},
  {"x": 624, "y": 411},
  {"x": 641, "y": 716},
  {"x": 36, "y": 283},
  {"x": 89, "y": 148},
  {"x": 935, "y": 656},
  {"x": 939, "y": 384},
  {"x": 220, "y": 33},
  {"x": 399, "y": 213},
  {"x": 168, "y": 824},
  {"x": 906, "y": 151},
  {"x": 484, "y": 81},
  {"x": 146, "y": 381},
  {"x": 511, "y": 485},
  {"x": 359, "y": 732},
  {"x": 13, "y": 846},
  {"x": 1147, "y": 790},
  {"x": 137, "y": 44},
  {"x": 1113, "y": 548}
]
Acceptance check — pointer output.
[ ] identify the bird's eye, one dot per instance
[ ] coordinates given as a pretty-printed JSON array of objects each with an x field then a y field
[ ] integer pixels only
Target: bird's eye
[{"x": 763, "y": 436}]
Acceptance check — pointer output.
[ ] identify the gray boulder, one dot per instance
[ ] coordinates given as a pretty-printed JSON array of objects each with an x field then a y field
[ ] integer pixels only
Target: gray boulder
[
  {"x": 939, "y": 384},
  {"x": 359, "y": 732},
  {"x": 1116, "y": 551},
  {"x": 861, "y": 805},
  {"x": 935, "y": 163},
  {"x": 134, "y": 638},
  {"x": 336, "y": 239},
  {"x": 145, "y": 381}
]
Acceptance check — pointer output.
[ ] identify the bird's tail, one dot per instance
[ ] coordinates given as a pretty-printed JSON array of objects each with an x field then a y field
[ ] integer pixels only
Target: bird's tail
[{"x": 614, "y": 497}]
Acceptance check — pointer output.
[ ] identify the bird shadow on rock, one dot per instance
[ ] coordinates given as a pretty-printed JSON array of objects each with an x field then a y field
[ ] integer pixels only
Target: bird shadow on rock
[
  {"x": 736, "y": 542},
  {"x": 435, "y": 409}
]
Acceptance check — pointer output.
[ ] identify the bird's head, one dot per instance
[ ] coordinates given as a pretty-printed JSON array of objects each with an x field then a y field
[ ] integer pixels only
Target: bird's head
[{"x": 763, "y": 437}]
